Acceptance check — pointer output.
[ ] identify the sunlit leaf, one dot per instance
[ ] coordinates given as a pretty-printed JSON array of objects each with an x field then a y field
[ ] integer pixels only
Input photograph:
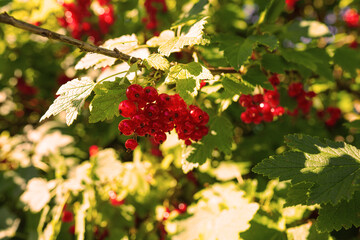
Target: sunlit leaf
[
  {"x": 164, "y": 37},
  {"x": 157, "y": 61},
  {"x": 193, "y": 37},
  {"x": 71, "y": 99},
  {"x": 37, "y": 194},
  {"x": 221, "y": 213},
  {"x": 124, "y": 44}
]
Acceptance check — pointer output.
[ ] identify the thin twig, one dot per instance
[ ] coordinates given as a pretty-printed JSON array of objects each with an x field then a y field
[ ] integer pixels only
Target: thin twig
[{"x": 86, "y": 47}]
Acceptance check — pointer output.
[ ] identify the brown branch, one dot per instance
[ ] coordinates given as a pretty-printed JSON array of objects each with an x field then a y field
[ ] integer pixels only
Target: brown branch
[{"x": 86, "y": 47}]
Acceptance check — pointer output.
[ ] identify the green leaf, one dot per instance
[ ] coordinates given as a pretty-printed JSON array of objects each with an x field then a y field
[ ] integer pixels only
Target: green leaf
[
  {"x": 298, "y": 194},
  {"x": 299, "y": 57},
  {"x": 187, "y": 89},
  {"x": 187, "y": 78},
  {"x": 235, "y": 86},
  {"x": 273, "y": 63},
  {"x": 238, "y": 51},
  {"x": 256, "y": 77},
  {"x": 333, "y": 167},
  {"x": 108, "y": 95},
  {"x": 271, "y": 12},
  {"x": 348, "y": 59},
  {"x": 157, "y": 61},
  {"x": 72, "y": 97},
  {"x": 184, "y": 71},
  {"x": 267, "y": 40},
  {"x": 222, "y": 212},
  {"x": 193, "y": 37},
  {"x": 314, "y": 59},
  {"x": 260, "y": 230},
  {"x": 219, "y": 136},
  {"x": 345, "y": 214}
]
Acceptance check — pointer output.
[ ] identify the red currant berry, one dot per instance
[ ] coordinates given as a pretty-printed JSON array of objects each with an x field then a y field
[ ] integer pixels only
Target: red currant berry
[
  {"x": 93, "y": 150},
  {"x": 142, "y": 131},
  {"x": 245, "y": 100},
  {"x": 127, "y": 108},
  {"x": 202, "y": 83},
  {"x": 188, "y": 142},
  {"x": 67, "y": 216},
  {"x": 164, "y": 100},
  {"x": 131, "y": 144},
  {"x": 182, "y": 207},
  {"x": 150, "y": 94},
  {"x": 159, "y": 137},
  {"x": 152, "y": 111},
  {"x": 126, "y": 127},
  {"x": 135, "y": 92},
  {"x": 272, "y": 97},
  {"x": 258, "y": 98},
  {"x": 274, "y": 79},
  {"x": 139, "y": 119},
  {"x": 114, "y": 198},
  {"x": 295, "y": 89}
]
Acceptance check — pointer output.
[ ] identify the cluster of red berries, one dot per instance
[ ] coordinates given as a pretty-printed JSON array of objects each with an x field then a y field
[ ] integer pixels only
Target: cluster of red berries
[
  {"x": 303, "y": 98},
  {"x": 351, "y": 18},
  {"x": 153, "y": 114},
  {"x": 77, "y": 19},
  {"x": 152, "y": 7},
  {"x": 330, "y": 115},
  {"x": 262, "y": 107}
]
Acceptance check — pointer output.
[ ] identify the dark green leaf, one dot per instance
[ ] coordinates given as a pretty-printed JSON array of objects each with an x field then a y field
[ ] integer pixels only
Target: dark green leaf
[
  {"x": 333, "y": 167},
  {"x": 345, "y": 214},
  {"x": 235, "y": 86},
  {"x": 238, "y": 51},
  {"x": 273, "y": 63},
  {"x": 298, "y": 194},
  {"x": 219, "y": 136},
  {"x": 272, "y": 11},
  {"x": 108, "y": 95},
  {"x": 256, "y": 77}
]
